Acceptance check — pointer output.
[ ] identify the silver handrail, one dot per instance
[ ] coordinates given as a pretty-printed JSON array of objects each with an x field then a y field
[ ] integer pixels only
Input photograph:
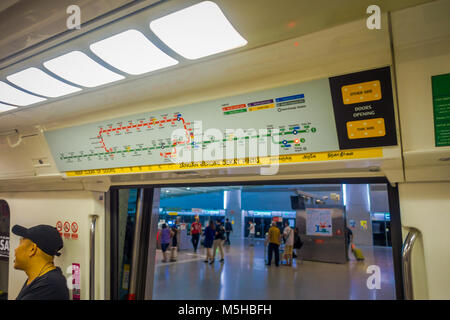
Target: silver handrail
[
  {"x": 92, "y": 259},
  {"x": 406, "y": 263},
  {"x": 135, "y": 253}
]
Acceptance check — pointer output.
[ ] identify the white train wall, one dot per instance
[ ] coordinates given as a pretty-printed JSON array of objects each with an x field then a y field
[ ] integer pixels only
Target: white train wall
[{"x": 37, "y": 193}]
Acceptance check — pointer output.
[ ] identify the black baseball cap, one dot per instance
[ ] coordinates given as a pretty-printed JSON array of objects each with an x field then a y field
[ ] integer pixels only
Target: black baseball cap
[{"x": 46, "y": 237}]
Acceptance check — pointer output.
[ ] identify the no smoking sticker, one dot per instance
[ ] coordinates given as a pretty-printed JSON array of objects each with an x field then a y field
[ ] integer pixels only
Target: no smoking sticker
[
  {"x": 68, "y": 230},
  {"x": 66, "y": 226},
  {"x": 74, "y": 230}
]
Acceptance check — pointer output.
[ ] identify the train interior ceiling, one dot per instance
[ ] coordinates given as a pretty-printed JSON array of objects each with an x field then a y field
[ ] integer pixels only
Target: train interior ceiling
[{"x": 348, "y": 116}]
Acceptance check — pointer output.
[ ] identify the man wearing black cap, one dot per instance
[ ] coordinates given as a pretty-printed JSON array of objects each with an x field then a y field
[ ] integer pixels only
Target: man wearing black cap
[{"x": 34, "y": 255}]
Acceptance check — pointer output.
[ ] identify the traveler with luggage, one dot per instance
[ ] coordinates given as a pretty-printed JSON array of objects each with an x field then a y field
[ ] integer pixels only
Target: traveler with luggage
[
  {"x": 348, "y": 240},
  {"x": 349, "y": 243}
]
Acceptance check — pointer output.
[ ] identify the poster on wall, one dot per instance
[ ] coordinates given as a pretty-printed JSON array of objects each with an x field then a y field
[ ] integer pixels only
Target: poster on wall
[
  {"x": 319, "y": 120},
  {"x": 4, "y": 230},
  {"x": 319, "y": 222},
  {"x": 441, "y": 109},
  {"x": 76, "y": 281}
]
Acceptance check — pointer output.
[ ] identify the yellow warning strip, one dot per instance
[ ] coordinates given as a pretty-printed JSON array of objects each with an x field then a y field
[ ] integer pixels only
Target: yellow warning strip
[{"x": 284, "y": 159}]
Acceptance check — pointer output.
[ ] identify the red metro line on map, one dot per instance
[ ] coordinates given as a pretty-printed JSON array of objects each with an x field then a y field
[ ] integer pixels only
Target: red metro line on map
[
  {"x": 109, "y": 132},
  {"x": 152, "y": 122}
]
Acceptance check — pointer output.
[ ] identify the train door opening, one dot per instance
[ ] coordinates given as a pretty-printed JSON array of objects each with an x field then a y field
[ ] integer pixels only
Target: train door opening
[
  {"x": 130, "y": 226},
  {"x": 4, "y": 248},
  {"x": 334, "y": 218}
]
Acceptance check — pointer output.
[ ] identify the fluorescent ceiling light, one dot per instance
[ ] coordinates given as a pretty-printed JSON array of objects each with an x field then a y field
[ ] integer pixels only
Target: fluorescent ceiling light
[
  {"x": 39, "y": 82},
  {"x": 78, "y": 68},
  {"x": 198, "y": 31},
  {"x": 4, "y": 107},
  {"x": 132, "y": 52},
  {"x": 11, "y": 95}
]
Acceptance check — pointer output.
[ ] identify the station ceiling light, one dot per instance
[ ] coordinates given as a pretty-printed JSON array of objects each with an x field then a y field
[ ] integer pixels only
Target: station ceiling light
[
  {"x": 132, "y": 52},
  {"x": 198, "y": 31},
  {"x": 9, "y": 94},
  {"x": 39, "y": 82},
  {"x": 5, "y": 107},
  {"x": 78, "y": 68}
]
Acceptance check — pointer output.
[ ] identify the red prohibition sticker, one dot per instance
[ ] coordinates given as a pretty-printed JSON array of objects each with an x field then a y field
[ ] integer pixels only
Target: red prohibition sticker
[
  {"x": 66, "y": 226},
  {"x": 74, "y": 227},
  {"x": 59, "y": 226}
]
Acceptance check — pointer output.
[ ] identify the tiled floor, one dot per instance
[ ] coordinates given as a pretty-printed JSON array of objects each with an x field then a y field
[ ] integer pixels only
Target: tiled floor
[{"x": 244, "y": 275}]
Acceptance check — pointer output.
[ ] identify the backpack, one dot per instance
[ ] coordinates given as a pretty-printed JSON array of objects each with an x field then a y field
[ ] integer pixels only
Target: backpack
[
  {"x": 221, "y": 232},
  {"x": 297, "y": 241}
]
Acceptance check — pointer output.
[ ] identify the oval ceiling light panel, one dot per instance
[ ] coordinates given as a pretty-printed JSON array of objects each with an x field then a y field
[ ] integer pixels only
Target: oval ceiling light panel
[
  {"x": 78, "y": 68},
  {"x": 132, "y": 52},
  {"x": 9, "y": 94},
  {"x": 5, "y": 107},
  {"x": 39, "y": 82},
  {"x": 198, "y": 31}
]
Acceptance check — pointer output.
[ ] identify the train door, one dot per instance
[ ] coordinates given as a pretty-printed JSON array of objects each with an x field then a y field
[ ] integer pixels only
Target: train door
[
  {"x": 136, "y": 262},
  {"x": 4, "y": 249},
  {"x": 133, "y": 221}
]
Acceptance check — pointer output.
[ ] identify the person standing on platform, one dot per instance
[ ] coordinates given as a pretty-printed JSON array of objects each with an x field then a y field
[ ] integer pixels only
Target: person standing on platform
[
  {"x": 251, "y": 233},
  {"x": 348, "y": 241},
  {"x": 209, "y": 232},
  {"x": 196, "y": 231},
  {"x": 165, "y": 236},
  {"x": 228, "y": 229},
  {"x": 274, "y": 244},
  {"x": 174, "y": 247},
  {"x": 219, "y": 238},
  {"x": 297, "y": 243},
  {"x": 288, "y": 235}
]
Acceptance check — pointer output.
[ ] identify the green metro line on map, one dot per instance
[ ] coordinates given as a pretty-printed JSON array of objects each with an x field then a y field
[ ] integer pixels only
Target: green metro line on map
[{"x": 187, "y": 132}]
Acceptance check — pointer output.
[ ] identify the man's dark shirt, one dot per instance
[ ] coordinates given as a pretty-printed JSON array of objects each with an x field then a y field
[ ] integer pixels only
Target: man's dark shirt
[
  {"x": 348, "y": 234},
  {"x": 220, "y": 233},
  {"x": 228, "y": 227},
  {"x": 50, "y": 286}
]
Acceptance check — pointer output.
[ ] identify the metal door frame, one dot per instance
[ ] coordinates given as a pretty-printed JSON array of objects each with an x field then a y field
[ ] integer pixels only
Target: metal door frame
[
  {"x": 146, "y": 265},
  {"x": 141, "y": 252}
]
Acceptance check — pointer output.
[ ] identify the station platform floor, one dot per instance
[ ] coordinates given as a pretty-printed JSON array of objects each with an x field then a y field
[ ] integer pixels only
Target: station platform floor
[{"x": 244, "y": 276}]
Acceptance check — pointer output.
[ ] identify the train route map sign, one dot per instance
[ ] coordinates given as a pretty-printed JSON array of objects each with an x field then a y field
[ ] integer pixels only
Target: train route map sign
[{"x": 287, "y": 121}]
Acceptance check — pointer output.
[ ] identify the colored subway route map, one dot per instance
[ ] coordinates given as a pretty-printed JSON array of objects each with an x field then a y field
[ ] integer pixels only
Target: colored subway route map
[{"x": 295, "y": 119}]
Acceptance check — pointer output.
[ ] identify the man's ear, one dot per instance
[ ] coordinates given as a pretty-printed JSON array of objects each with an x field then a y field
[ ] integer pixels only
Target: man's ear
[{"x": 32, "y": 250}]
